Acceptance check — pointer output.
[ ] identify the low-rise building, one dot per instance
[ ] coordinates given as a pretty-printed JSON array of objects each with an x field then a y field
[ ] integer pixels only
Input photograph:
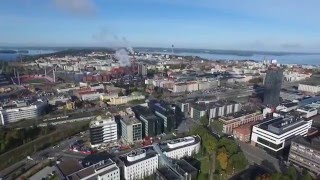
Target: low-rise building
[
  {"x": 308, "y": 111},
  {"x": 106, "y": 169},
  {"x": 287, "y": 106},
  {"x": 181, "y": 147},
  {"x": 19, "y": 110},
  {"x": 309, "y": 88},
  {"x": 305, "y": 153},
  {"x": 240, "y": 118},
  {"x": 139, "y": 163},
  {"x": 277, "y": 133},
  {"x": 125, "y": 99},
  {"x": 243, "y": 132}
]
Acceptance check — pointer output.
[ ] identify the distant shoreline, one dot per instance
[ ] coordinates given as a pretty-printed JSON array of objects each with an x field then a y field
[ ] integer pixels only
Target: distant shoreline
[{"x": 9, "y": 51}]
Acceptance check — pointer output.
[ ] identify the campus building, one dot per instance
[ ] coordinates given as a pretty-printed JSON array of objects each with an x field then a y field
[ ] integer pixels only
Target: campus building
[
  {"x": 19, "y": 110},
  {"x": 277, "y": 133},
  {"x": 181, "y": 147},
  {"x": 139, "y": 163},
  {"x": 235, "y": 120},
  {"x": 305, "y": 153}
]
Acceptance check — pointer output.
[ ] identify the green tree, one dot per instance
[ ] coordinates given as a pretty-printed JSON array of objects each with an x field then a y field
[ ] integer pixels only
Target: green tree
[
  {"x": 204, "y": 120},
  {"x": 306, "y": 176},
  {"x": 217, "y": 125},
  {"x": 210, "y": 144},
  {"x": 239, "y": 161},
  {"x": 276, "y": 176},
  {"x": 232, "y": 148},
  {"x": 292, "y": 173}
]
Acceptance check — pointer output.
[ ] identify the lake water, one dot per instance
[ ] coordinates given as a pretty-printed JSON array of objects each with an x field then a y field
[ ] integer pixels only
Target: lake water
[
  {"x": 308, "y": 59},
  {"x": 11, "y": 57}
]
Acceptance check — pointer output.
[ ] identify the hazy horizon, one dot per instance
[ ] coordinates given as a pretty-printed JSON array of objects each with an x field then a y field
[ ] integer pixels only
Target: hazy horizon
[{"x": 266, "y": 25}]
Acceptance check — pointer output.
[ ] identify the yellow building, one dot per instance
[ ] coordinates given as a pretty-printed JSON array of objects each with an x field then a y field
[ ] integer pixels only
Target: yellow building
[{"x": 70, "y": 105}]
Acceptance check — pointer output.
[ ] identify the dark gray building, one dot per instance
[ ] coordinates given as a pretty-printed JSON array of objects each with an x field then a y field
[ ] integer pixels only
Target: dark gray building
[
  {"x": 166, "y": 112},
  {"x": 151, "y": 124},
  {"x": 272, "y": 86},
  {"x": 305, "y": 153},
  {"x": 142, "y": 69}
]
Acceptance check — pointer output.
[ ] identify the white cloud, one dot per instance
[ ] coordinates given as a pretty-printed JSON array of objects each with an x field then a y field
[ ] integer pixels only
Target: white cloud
[{"x": 79, "y": 7}]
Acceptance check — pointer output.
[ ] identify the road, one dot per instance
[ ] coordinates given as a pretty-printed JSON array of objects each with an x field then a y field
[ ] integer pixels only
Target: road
[
  {"x": 258, "y": 156},
  {"x": 59, "y": 150}
]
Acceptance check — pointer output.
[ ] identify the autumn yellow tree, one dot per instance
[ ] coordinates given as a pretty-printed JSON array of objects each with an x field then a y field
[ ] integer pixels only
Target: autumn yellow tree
[{"x": 223, "y": 159}]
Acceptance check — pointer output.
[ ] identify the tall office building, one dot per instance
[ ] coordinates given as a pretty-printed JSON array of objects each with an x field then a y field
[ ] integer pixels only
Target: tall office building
[
  {"x": 166, "y": 112},
  {"x": 103, "y": 130},
  {"x": 131, "y": 129},
  {"x": 142, "y": 69},
  {"x": 272, "y": 86},
  {"x": 151, "y": 125}
]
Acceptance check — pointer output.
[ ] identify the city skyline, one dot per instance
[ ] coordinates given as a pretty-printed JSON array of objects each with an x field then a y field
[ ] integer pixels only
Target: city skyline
[{"x": 265, "y": 25}]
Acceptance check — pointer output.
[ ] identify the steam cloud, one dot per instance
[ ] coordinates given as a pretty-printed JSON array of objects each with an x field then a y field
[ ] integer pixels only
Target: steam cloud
[{"x": 123, "y": 57}]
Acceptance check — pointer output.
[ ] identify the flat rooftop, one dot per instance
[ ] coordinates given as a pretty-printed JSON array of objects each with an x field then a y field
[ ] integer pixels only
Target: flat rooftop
[
  {"x": 312, "y": 142},
  {"x": 150, "y": 153},
  {"x": 164, "y": 146},
  {"x": 129, "y": 120},
  {"x": 185, "y": 166},
  {"x": 238, "y": 114},
  {"x": 168, "y": 174},
  {"x": 281, "y": 125}
]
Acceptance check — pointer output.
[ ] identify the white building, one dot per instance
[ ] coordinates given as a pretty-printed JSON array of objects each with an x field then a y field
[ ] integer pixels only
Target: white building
[
  {"x": 182, "y": 147},
  {"x": 139, "y": 163},
  {"x": 21, "y": 110},
  {"x": 103, "y": 170},
  {"x": 278, "y": 132},
  {"x": 103, "y": 130},
  {"x": 309, "y": 88},
  {"x": 308, "y": 111},
  {"x": 288, "y": 106}
]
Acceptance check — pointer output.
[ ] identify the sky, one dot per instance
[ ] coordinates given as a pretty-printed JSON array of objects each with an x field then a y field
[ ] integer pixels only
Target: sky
[{"x": 271, "y": 25}]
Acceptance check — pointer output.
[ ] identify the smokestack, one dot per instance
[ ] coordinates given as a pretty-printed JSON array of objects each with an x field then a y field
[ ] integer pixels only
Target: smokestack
[{"x": 18, "y": 78}]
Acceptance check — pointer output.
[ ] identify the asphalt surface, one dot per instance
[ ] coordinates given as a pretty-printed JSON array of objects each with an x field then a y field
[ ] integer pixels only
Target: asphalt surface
[
  {"x": 59, "y": 150},
  {"x": 256, "y": 155}
]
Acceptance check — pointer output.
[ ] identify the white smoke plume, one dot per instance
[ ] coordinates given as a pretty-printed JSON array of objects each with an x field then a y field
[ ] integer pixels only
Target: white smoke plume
[
  {"x": 123, "y": 57},
  {"x": 108, "y": 37}
]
